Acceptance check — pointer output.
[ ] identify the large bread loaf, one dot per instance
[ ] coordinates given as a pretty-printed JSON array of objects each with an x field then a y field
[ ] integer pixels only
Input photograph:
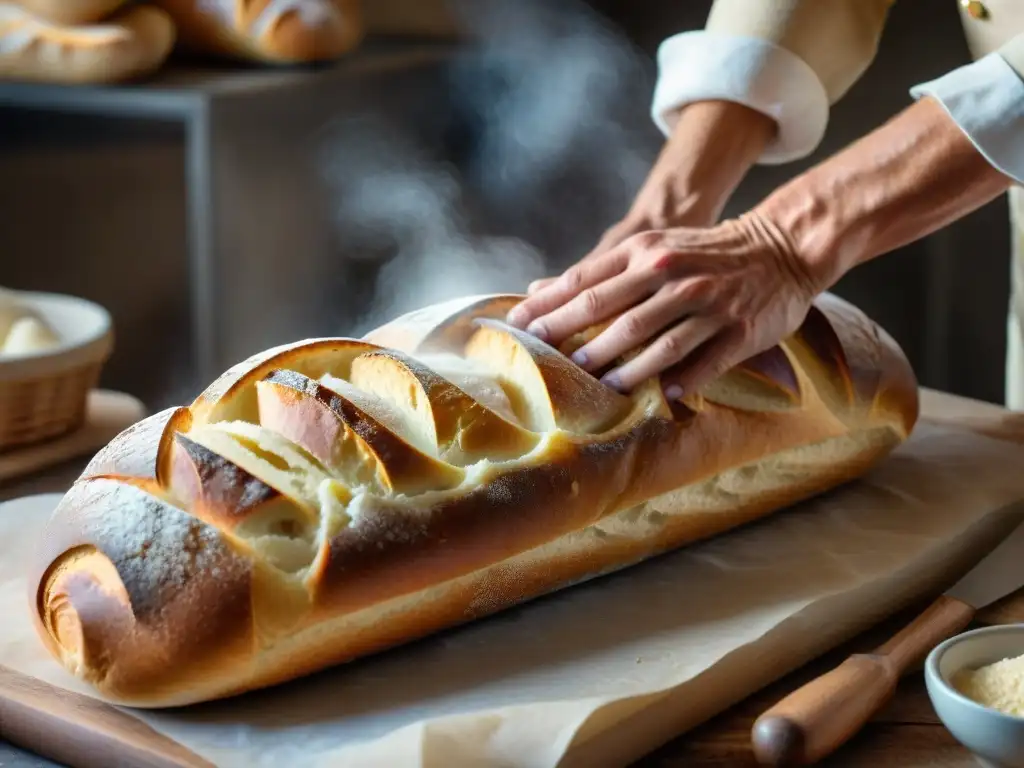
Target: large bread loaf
[{"x": 331, "y": 498}]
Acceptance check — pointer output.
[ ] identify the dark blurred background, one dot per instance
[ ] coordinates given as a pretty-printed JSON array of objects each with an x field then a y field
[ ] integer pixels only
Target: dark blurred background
[{"x": 217, "y": 213}]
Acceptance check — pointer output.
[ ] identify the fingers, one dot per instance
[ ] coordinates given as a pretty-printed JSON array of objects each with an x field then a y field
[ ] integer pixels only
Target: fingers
[
  {"x": 632, "y": 329},
  {"x": 613, "y": 237},
  {"x": 560, "y": 291},
  {"x": 719, "y": 355},
  {"x": 593, "y": 305},
  {"x": 673, "y": 346},
  {"x": 536, "y": 285}
]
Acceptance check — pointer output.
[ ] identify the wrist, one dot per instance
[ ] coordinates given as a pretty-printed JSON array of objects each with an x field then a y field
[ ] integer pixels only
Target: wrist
[
  {"x": 712, "y": 147},
  {"x": 911, "y": 177}
]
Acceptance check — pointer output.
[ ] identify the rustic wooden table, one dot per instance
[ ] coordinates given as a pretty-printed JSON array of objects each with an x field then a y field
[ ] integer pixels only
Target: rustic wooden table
[{"x": 906, "y": 734}]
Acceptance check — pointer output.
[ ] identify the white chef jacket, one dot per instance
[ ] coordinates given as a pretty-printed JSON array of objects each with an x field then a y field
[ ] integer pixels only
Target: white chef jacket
[{"x": 792, "y": 59}]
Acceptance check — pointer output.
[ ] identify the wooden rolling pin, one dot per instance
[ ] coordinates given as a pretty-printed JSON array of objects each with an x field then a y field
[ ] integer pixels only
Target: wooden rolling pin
[
  {"x": 80, "y": 731},
  {"x": 814, "y": 721}
]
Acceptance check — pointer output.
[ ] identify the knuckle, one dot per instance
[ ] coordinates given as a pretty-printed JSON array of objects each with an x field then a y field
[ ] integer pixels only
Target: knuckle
[
  {"x": 732, "y": 312},
  {"x": 573, "y": 278},
  {"x": 644, "y": 241},
  {"x": 696, "y": 289},
  {"x": 649, "y": 239},
  {"x": 590, "y": 302},
  {"x": 632, "y": 327},
  {"x": 670, "y": 347},
  {"x": 684, "y": 290}
]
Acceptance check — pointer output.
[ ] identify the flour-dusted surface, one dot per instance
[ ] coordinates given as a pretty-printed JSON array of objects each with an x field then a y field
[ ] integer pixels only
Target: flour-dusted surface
[
  {"x": 667, "y": 643},
  {"x": 154, "y": 545}
]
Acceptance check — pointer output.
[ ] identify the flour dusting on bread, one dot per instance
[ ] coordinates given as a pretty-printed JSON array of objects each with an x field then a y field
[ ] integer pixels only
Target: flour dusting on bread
[{"x": 333, "y": 497}]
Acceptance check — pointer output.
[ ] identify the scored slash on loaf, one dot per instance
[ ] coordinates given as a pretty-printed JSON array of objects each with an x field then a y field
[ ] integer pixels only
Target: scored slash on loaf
[{"x": 331, "y": 498}]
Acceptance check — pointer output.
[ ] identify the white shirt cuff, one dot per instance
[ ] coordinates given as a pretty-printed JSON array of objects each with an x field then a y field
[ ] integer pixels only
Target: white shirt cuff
[
  {"x": 702, "y": 66},
  {"x": 986, "y": 99}
]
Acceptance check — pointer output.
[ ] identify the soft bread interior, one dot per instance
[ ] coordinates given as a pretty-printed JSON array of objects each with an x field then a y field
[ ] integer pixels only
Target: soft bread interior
[
  {"x": 459, "y": 429},
  {"x": 547, "y": 391},
  {"x": 768, "y": 382},
  {"x": 347, "y": 457},
  {"x": 476, "y": 379},
  {"x": 401, "y": 418},
  {"x": 338, "y": 422},
  {"x": 285, "y": 529},
  {"x": 399, "y": 391},
  {"x": 276, "y": 461}
]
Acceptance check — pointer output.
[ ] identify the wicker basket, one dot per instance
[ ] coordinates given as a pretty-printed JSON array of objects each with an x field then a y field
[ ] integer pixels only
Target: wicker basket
[{"x": 43, "y": 396}]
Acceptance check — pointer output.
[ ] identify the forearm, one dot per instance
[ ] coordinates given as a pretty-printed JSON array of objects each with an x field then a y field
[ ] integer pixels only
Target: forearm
[
  {"x": 712, "y": 146},
  {"x": 914, "y": 175}
]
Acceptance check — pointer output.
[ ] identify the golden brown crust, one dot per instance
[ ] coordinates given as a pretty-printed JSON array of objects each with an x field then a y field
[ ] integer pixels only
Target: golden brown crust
[
  {"x": 132, "y": 43},
  {"x": 322, "y": 480},
  {"x": 121, "y": 573},
  {"x": 321, "y": 420},
  {"x": 142, "y": 450},
  {"x": 233, "y": 394},
  {"x": 285, "y": 31},
  {"x": 69, "y": 12}
]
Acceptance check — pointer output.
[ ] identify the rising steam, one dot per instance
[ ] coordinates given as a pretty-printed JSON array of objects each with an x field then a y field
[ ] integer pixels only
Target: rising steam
[{"x": 557, "y": 105}]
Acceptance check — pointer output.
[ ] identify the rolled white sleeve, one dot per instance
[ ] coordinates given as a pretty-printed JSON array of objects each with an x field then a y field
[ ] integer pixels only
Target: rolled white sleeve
[
  {"x": 704, "y": 66},
  {"x": 986, "y": 99}
]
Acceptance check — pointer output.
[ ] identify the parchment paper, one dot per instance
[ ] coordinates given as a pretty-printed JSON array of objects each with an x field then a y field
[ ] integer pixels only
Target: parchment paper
[{"x": 604, "y": 672}]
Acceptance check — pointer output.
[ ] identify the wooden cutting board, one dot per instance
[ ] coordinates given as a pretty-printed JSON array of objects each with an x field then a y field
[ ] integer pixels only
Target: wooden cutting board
[
  {"x": 107, "y": 414},
  {"x": 1009, "y": 610},
  {"x": 81, "y": 732}
]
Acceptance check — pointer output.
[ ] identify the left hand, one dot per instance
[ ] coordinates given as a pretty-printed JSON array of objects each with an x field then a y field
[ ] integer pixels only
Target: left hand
[{"x": 698, "y": 300}]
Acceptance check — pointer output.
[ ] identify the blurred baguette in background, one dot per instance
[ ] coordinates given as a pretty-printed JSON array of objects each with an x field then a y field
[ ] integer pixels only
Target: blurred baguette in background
[
  {"x": 75, "y": 42},
  {"x": 130, "y": 44},
  {"x": 71, "y": 12},
  {"x": 268, "y": 31}
]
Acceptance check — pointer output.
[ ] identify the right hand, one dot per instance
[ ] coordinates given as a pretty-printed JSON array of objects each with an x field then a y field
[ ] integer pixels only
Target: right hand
[
  {"x": 711, "y": 148},
  {"x": 618, "y": 234},
  {"x": 693, "y": 302}
]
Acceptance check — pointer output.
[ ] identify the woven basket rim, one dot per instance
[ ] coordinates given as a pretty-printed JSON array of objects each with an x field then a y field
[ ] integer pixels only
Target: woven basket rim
[{"x": 93, "y": 348}]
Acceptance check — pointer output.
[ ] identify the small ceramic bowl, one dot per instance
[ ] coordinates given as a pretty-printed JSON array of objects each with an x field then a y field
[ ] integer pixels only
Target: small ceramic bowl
[{"x": 995, "y": 738}]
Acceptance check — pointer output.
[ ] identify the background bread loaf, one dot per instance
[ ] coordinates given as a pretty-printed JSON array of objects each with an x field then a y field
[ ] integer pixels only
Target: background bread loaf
[
  {"x": 131, "y": 43},
  {"x": 330, "y": 498},
  {"x": 69, "y": 12},
  {"x": 273, "y": 31}
]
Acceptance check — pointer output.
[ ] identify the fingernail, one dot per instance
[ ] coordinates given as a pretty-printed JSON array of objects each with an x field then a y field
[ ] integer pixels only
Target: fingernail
[
  {"x": 580, "y": 358},
  {"x": 612, "y": 381},
  {"x": 538, "y": 330},
  {"x": 514, "y": 317},
  {"x": 673, "y": 392}
]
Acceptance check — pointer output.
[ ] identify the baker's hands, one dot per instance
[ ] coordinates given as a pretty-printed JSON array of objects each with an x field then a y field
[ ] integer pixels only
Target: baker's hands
[
  {"x": 623, "y": 230},
  {"x": 711, "y": 148},
  {"x": 701, "y": 299}
]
